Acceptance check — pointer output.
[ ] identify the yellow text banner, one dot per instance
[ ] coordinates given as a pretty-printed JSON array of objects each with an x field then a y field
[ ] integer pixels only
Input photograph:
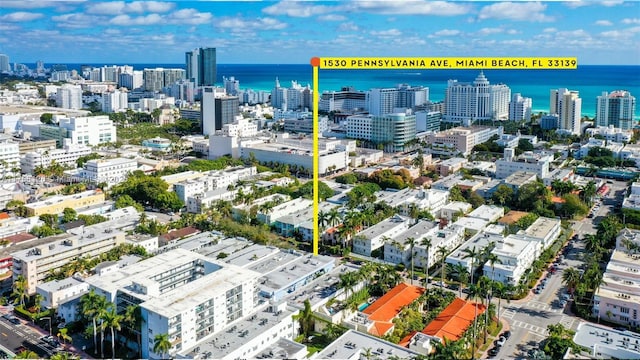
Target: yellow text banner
[{"x": 373, "y": 63}]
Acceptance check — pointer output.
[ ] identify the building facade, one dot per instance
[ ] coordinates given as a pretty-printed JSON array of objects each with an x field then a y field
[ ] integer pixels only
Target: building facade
[
  {"x": 479, "y": 100},
  {"x": 616, "y": 109},
  {"x": 519, "y": 108},
  {"x": 568, "y": 106}
]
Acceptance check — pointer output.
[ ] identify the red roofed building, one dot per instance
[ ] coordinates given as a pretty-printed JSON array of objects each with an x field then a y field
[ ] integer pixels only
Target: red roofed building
[
  {"x": 454, "y": 320},
  {"x": 385, "y": 309}
]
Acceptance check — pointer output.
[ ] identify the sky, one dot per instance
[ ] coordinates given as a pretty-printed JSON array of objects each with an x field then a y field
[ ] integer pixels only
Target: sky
[{"x": 288, "y": 32}]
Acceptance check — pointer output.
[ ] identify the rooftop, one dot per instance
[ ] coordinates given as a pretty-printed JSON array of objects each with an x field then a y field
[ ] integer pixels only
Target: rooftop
[
  {"x": 57, "y": 285},
  {"x": 386, "y": 308},
  {"x": 541, "y": 227},
  {"x": 60, "y": 198},
  {"x": 608, "y": 343},
  {"x": 383, "y": 226},
  {"x": 352, "y": 345},
  {"x": 520, "y": 178},
  {"x": 454, "y": 320},
  {"x": 512, "y": 217}
]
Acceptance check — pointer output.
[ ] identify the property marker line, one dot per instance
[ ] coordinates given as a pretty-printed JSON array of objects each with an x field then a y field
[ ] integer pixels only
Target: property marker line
[{"x": 315, "y": 63}]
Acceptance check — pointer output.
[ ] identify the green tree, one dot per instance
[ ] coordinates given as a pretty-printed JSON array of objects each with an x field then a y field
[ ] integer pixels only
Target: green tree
[
  {"x": 83, "y": 159},
  {"x": 573, "y": 206},
  {"x": 113, "y": 321},
  {"x": 91, "y": 305},
  {"x": 455, "y": 194},
  {"x": 305, "y": 318},
  {"x": 161, "y": 344},
  {"x": 571, "y": 278},
  {"x": 46, "y": 118},
  {"x": 27, "y": 354},
  {"x": 50, "y": 220},
  {"x": 503, "y": 195},
  {"x": 69, "y": 215},
  {"x": 125, "y": 200},
  {"x": 20, "y": 289}
]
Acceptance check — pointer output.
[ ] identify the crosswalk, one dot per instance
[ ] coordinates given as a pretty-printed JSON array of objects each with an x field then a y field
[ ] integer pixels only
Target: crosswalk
[
  {"x": 567, "y": 321},
  {"x": 542, "y": 306},
  {"x": 510, "y": 312},
  {"x": 536, "y": 330}
]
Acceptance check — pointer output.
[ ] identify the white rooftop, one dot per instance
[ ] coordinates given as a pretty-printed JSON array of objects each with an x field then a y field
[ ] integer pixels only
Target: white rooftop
[
  {"x": 352, "y": 345},
  {"x": 606, "y": 342}
]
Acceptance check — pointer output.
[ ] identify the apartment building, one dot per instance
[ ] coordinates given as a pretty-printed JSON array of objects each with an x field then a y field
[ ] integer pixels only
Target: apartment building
[
  {"x": 9, "y": 157},
  {"x": 461, "y": 139},
  {"x": 57, "y": 292},
  {"x": 57, "y": 203},
  {"x": 516, "y": 255},
  {"x": 67, "y": 156},
  {"x": 110, "y": 171},
  {"x": 36, "y": 263},
  {"x": 618, "y": 298},
  {"x": 528, "y": 161},
  {"x": 374, "y": 237},
  {"x": 188, "y": 296},
  {"x": 211, "y": 181}
]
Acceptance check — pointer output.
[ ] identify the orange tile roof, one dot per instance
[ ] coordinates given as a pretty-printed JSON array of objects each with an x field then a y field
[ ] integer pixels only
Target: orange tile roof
[
  {"x": 388, "y": 306},
  {"x": 381, "y": 328},
  {"x": 557, "y": 200},
  {"x": 454, "y": 320},
  {"x": 407, "y": 339},
  {"x": 512, "y": 216},
  {"x": 4, "y": 215}
]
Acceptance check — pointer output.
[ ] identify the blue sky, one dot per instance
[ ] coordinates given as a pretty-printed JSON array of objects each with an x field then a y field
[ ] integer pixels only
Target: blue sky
[{"x": 597, "y": 32}]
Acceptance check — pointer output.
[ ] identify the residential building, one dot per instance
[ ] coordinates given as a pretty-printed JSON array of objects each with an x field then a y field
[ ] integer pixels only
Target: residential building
[
  {"x": 461, "y": 139},
  {"x": 296, "y": 97},
  {"x": 388, "y": 307},
  {"x": 109, "y": 171},
  {"x": 454, "y": 209},
  {"x": 226, "y": 110},
  {"x": 199, "y": 203},
  {"x": 69, "y": 97},
  {"x": 615, "y": 147},
  {"x": 36, "y": 263},
  {"x": 157, "y": 79},
  {"x": 333, "y": 154},
  {"x": 428, "y": 121},
  {"x": 212, "y": 180},
  {"x": 519, "y": 178},
  {"x": 284, "y": 209},
  {"x": 544, "y": 231},
  {"x": 89, "y": 130},
  {"x": 305, "y": 125},
  {"x": 528, "y": 161},
  {"x": 5, "y": 65},
  {"x": 183, "y": 294},
  {"x": 516, "y": 256},
  {"x": 568, "y": 106},
  {"x": 406, "y": 200},
  {"x": 611, "y": 133},
  {"x": 57, "y": 292},
  {"x": 478, "y": 242},
  {"x": 617, "y": 299},
  {"x": 346, "y": 100},
  {"x": 208, "y": 111},
  {"x": 468, "y": 102},
  {"x": 616, "y": 109},
  {"x": 374, "y": 237},
  {"x": 57, "y": 203},
  {"x": 490, "y": 213},
  {"x": 201, "y": 66},
  {"x": 391, "y": 130},
  {"x": 520, "y": 108},
  {"x": 351, "y": 344},
  {"x": 603, "y": 342},
  {"x": 114, "y": 101},
  {"x": 132, "y": 81},
  {"x": 549, "y": 121},
  {"x": 67, "y": 156},
  {"x": 240, "y": 128},
  {"x": 450, "y": 166},
  {"x": 9, "y": 157}
]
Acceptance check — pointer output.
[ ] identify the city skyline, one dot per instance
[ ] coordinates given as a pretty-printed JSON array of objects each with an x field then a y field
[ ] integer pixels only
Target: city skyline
[{"x": 285, "y": 32}]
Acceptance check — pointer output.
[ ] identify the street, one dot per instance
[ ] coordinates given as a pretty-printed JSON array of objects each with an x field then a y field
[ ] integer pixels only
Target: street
[
  {"x": 20, "y": 337},
  {"x": 528, "y": 318}
]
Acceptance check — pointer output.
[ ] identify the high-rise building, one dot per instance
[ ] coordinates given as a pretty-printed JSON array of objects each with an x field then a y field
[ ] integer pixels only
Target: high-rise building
[
  {"x": 231, "y": 85},
  {"x": 227, "y": 108},
  {"x": 519, "y": 108},
  {"x": 132, "y": 81},
  {"x": 5, "y": 66},
  {"x": 382, "y": 101},
  {"x": 568, "y": 106},
  {"x": 69, "y": 97},
  {"x": 201, "y": 66},
  {"x": 158, "y": 78},
  {"x": 183, "y": 90},
  {"x": 347, "y": 99},
  {"x": 616, "y": 108},
  {"x": 114, "y": 101},
  {"x": 40, "y": 66},
  {"x": 392, "y": 130},
  {"x": 479, "y": 100},
  {"x": 208, "y": 111}
]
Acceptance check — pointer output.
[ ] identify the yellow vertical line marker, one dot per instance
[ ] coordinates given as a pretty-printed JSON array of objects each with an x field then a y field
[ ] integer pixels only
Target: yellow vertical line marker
[{"x": 315, "y": 63}]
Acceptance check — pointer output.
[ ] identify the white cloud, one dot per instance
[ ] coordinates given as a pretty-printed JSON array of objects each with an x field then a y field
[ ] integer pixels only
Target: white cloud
[
  {"x": 20, "y": 16},
  {"x": 513, "y": 32},
  {"x": 631, "y": 21},
  {"x": 517, "y": 11},
  {"x": 245, "y": 25},
  {"x": 296, "y": 9},
  {"x": 603, "y": 23},
  {"x": 126, "y": 20},
  {"x": 489, "y": 31},
  {"x": 420, "y": 7},
  {"x": 189, "y": 17},
  {"x": 348, "y": 26},
  {"x": 621, "y": 34},
  {"x": 386, "y": 33},
  {"x": 120, "y": 7},
  {"x": 36, "y": 4},
  {"x": 550, "y": 30},
  {"x": 75, "y": 20},
  {"x": 447, "y": 32},
  {"x": 332, "y": 17}
]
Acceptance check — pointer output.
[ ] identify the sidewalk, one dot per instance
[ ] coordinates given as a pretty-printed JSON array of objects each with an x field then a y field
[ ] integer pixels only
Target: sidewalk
[
  {"x": 68, "y": 347},
  {"x": 505, "y": 327}
]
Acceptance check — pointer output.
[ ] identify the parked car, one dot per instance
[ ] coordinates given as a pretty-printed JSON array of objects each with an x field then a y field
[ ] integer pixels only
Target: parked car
[
  {"x": 493, "y": 351},
  {"x": 506, "y": 334},
  {"x": 500, "y": 341}
]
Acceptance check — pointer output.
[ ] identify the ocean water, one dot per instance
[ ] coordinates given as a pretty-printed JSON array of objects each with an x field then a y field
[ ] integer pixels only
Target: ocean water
[{"x": 589, "y": 80}]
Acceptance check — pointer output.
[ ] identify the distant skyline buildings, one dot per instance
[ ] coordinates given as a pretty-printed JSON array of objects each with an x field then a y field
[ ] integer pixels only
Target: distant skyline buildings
[
  {"x": 466, "y": 102},
  {"x": 5, "y": 66},
  {"x": 201, "y": 66},
  {"x": 567, "y": 104},
  {"x": 616, "y": 108}
]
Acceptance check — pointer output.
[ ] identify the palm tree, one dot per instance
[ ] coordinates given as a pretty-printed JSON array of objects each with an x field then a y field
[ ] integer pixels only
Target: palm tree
[
  {"x": 447, "y": 350},
  {"x": 323, "y": 219},
  {"x": 593, "y": 243},
  {"x": 20, "y": 287},
  {"x": 462, "y": 274},
  {"x": 93, "y": 306},
  {"x": 500, "y": 291},
  {"x": 133, "y": 320},
  {"x": 412, "y": 242},
  {"x": 571, "y": 278},
  {"x": 333, "y": 217},
  {"x": 426, "y": 242},
  {"x": 305, "y": 318},
  {"x": 27, "y": 354},
  {"x": 161, "y": 344},
  {"x": 63, "y": 335},
  {"x": 442, "y": 252},
  {"x": 37, "y": 304},
  {"x": 64, "y": 355},
  {"x": 113, "y": 321},
  {"x": 473, "y": 254}
]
